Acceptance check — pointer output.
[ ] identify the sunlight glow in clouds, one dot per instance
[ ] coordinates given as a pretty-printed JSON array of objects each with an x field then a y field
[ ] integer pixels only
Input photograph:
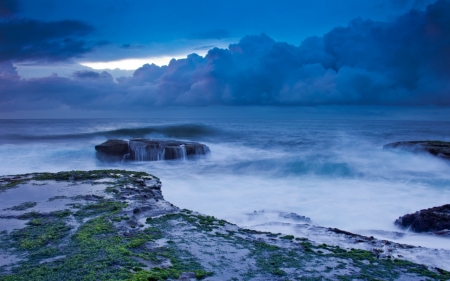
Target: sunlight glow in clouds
[
  {"x": 135, "y": 63},
  {"x": 131, "y": 64}
]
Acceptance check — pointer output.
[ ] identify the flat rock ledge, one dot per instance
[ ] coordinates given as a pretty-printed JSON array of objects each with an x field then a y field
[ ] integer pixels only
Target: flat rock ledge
[
  {"x": 435, "y": 220},
  {"x": 149, "y": 150},
  {"x": 116, "y": 225},
  {"x": 437, "y": 148}
]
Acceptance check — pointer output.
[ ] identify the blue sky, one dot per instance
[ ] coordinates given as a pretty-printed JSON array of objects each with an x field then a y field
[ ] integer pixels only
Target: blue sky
[{"x": 108, "y": 56}]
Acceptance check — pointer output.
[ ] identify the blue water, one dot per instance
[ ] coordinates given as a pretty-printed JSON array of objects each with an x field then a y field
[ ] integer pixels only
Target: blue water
[{"x": 333, "y": 171}]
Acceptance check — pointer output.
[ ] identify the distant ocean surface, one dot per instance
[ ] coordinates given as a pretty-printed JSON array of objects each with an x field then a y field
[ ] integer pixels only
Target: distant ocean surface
[{"x": 334, "y": 172}]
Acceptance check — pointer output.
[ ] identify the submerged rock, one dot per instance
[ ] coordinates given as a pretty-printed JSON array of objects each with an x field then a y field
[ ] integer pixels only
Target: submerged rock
[
  {"x": 437, "y": 148},
  {"x": 436, "y": 220},
  {"x": 149, "y": 150}
]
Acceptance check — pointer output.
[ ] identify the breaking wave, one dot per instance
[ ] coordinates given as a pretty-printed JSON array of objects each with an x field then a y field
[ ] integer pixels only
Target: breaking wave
[{"x": 170, "y": 131}]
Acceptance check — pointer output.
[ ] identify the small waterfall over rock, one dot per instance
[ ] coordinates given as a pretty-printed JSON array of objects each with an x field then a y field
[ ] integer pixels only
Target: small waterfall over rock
[
  {"x": 149, "y": 150},
  {"x": 183, "y": 152},
  {"x": 141, "y": 150},
  {"x": 176, "y": 152}
]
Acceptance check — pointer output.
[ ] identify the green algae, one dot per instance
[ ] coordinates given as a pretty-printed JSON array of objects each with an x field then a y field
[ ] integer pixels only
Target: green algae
[
  {"x": 157, "y": 274},
  {"x": 100, "y": 207},
  {"x": 39, "y": 232},
  {"x": 96, "y": 250},
  {"x": 7, "y": 182},
  {"x": 273, "y": 260},
  {"x": 23, "y": 206}
]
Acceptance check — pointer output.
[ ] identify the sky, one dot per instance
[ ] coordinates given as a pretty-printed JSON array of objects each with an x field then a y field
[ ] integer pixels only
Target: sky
[{"x": 100, "y": 58}]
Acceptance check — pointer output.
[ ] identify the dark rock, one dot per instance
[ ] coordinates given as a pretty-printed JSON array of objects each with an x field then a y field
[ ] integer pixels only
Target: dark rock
[
  {"x": 112, "y": 150},
  {"x": 149, "y": 150},
  {"x": 113, "y": 147},
  {"x": 436, "y": 219},
  {"x": 294, "y": 216},
  {"x": 146, "y": 150},
  {"x": 437, "y": 148}
]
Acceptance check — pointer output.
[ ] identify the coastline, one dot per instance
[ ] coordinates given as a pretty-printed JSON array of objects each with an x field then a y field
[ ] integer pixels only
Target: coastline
[{"x": 128, "y": 231}]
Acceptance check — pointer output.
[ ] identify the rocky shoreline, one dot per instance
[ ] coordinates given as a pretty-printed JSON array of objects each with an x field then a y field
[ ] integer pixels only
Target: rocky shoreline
[{"x": 116, "y": 225}]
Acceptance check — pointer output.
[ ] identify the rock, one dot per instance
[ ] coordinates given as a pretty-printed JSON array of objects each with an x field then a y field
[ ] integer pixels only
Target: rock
[
  {"x": 149, "y": 150},
  {"x": 436, "y": 219},
  {"x": 126, "y": 236},
  {"x": 112, "y": 150},
  {"x": 437, "y": 148},
  {"x": 113, "y": 147},
  {"x": 187, "y": 276}
]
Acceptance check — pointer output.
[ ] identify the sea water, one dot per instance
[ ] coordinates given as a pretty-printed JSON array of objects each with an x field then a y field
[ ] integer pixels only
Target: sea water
[{"x": 334, "y": 172}]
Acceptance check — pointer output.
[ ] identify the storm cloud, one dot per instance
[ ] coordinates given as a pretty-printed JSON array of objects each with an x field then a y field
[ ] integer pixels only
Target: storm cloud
[
  {"x": 28, "y": 39},
  {"x": 8, "y": 7},
  {"x": 401, "y": 62},
  {"x": 211, "y": 34}
]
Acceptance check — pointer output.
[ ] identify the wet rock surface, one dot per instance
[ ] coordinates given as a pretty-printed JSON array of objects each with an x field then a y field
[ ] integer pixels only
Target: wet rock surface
[
  {"x": 437, "y": 148},
  {"x": 112, "y": 150},
  {"x": 149, "y": 150},
  {"x": 436, "y": 220},
  {"x": 123, "y": 229}
]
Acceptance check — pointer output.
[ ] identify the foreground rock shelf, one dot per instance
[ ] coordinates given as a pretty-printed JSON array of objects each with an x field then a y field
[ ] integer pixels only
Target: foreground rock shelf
[
  {"x": 116, "y": 225},
  {"x": 437, "y": 148},
  {"x": 149, "y": 150}
]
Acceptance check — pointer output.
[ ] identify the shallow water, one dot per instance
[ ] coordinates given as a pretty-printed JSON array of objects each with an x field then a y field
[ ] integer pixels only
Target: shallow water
[
  {"x": 334, "y": 172},
  {"x": 41, "y": 193}
]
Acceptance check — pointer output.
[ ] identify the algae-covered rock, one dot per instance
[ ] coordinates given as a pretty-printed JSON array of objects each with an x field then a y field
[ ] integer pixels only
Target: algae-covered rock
[{"x": 116, "y": 225}]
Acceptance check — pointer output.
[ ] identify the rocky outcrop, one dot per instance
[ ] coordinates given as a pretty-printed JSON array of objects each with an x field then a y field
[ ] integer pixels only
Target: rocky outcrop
[
  {"x": 437, "y": 148},
  {"x": 112, "y": 150},
  {"x": 436, "y": 220},
  {"x": 116, "y": 225},
  {"x": 149, "y": 150}
]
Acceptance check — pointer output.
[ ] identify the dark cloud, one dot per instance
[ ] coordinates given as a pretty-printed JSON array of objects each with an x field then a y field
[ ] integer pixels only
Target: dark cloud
[
  {"x": 7, "y": 70},
  {"x": 26, "y": 39},
  {"x": 131, "y": 46},
  {"x": 211, "y": 34},
  {"x": 92, "y": 75},
  {"x": 8, "y": 7},
  {"x": 206, "y": 47},
  {"x": 410, "y": 4},
  {"x": 401, "y": 62}
]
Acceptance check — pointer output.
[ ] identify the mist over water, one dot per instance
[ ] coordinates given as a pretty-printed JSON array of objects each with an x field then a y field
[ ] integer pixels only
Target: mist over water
[{"x": 334, "y": 172}]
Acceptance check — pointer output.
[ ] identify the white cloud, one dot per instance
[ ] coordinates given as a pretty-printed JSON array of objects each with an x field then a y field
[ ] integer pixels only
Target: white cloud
[{"x": 131, "y": 64}]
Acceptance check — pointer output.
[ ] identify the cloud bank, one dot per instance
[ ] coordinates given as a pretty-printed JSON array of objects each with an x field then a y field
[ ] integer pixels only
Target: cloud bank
[{"x": 401, "y": 62}]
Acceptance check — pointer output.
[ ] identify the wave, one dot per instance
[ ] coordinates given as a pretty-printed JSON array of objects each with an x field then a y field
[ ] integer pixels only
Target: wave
[{"x": 170, "y": 131}]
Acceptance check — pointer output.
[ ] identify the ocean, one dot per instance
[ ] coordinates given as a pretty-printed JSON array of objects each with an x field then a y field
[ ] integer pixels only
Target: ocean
[{"x": 335, "y": 172}]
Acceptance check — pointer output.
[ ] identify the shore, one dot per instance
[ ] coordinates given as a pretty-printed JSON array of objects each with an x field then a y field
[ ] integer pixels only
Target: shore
[{"x": 116, "y": 225}]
